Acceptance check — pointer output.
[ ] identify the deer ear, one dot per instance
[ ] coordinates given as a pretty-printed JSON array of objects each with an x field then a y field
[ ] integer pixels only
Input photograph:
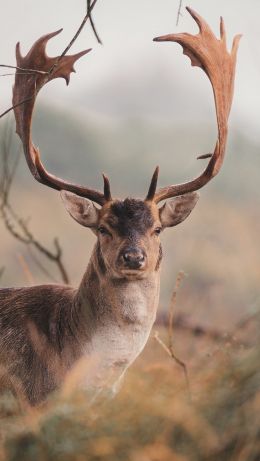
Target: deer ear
[
  {"x": 177, "y": 209},
  {"x": 81, "y": 209}
]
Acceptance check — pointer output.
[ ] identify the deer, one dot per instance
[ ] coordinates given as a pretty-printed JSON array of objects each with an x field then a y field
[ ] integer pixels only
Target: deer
[{"x": 47, "y": 329}]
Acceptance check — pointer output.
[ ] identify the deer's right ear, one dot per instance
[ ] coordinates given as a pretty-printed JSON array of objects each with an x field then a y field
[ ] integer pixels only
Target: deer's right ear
[
  {"x": 178, "y": 209},
  {"x": 81, "y": 209}
]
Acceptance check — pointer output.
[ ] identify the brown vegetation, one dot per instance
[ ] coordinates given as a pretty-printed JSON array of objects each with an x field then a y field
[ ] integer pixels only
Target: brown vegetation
[{"x": 152, "y": 418}]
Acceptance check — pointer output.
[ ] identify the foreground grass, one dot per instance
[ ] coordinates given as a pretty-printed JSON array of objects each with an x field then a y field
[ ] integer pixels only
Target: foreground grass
[{"x": 153, "y": 418}]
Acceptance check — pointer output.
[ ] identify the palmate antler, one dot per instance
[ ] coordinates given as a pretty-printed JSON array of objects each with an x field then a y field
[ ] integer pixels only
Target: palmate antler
[
  {"x": 204, "y": 50},
  {"x": 209, "y": 53},
  {"x": 27, "y": 86}
]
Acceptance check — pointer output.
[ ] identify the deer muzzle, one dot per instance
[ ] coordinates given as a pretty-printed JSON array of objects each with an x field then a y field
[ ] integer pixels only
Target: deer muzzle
[{"x": 132, "y": 258}]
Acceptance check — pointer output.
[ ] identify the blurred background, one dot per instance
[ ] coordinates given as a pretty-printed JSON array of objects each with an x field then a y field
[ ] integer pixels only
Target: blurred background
[{"x": 134, "y": 104}]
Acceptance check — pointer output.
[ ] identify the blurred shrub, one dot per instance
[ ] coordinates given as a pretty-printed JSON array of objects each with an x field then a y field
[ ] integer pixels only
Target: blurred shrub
[{"x": 152, "y": 417}]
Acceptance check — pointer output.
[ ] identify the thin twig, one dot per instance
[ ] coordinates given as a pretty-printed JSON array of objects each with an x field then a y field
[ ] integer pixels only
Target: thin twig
[
  {"x": 16, "y": 73},
  {"x": 10, "y": 227},
  {"x": 25, "y": 268},
  {"x": 42, "y": 268},
  {"x": 169, "y": 348},
  {"x": 92, "y": 22},
  {"x": 59, "y": 261},
  {"x": 29, "y": 71},
  {"x": 179, "y": 362},
  {"x": 172, "y": 306},
  {"x": 7, "y": 75},
  {"x": 87, "y": 16},
  {"x": 16, "y": 105},
  {"x": 16, "y": 225},
  {"x": 28, "y": 238},
  {"x": 179, "y": 14},
  {"x": 162, "y": 344}
]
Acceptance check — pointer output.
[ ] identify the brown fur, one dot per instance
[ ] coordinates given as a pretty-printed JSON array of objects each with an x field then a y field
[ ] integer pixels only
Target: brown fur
[{"x": 46, "y": 329}]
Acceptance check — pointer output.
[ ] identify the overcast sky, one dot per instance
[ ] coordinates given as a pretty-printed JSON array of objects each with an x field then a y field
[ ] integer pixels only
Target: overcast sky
[{"x": 130, "y": 75}]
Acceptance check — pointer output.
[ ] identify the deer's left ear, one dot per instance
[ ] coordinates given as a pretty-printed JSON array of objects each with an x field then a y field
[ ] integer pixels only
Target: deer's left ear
[
  {"x": 81, "y": 209},
  {"x": 174, "y": 211}
]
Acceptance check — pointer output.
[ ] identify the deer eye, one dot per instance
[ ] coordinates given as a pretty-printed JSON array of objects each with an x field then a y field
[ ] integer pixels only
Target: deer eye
[
  {"x": 103, "y": 231},
  {"x": 158, "y": 230}
]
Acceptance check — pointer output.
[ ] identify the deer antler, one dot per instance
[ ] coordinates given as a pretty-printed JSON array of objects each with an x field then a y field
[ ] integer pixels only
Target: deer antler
[
  {"x": 209, "y": 53},
  {"x": 27, "y": 85}
]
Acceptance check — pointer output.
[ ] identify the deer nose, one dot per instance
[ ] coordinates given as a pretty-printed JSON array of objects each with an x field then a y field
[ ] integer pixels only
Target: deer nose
[{"x": 133, "y": 258}]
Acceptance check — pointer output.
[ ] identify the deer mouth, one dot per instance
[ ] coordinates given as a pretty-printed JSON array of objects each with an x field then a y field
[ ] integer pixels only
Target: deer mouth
[{"x": 132, "y": 274}]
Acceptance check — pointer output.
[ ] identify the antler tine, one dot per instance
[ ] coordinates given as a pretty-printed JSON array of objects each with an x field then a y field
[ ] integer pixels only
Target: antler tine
[
  {"x": 107, "y": 189},
  {"x": 153, "y": 185},
  {"x": 209, "y": 53},
  {"x": 27, "y": 86}
]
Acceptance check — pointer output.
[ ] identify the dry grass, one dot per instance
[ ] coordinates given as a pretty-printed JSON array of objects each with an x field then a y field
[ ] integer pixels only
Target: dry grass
[{"x": 152, "y": 418}]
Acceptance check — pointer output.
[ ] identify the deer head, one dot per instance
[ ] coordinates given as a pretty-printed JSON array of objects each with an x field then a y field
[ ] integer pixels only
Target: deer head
[{"x": 128, "y": 231}]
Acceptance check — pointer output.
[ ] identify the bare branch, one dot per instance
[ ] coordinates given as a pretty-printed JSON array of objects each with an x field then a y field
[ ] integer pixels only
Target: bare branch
[
  {"x": 16, "y": 105},
  {"x": 16, "y": 225},
  {"x": 169, "y": 348},
  {"x": 172, "y": 306},
  {"x": 39, "y": 264},
  {"x": 179, "y": 13},
  {"x": 92, "y": 22},
  {"x": 10, "y": 227},
  {"x": 16, "y": 73},
  {"x": 86, "y": 18},
  {"x": 25, "y": 236},
  {"x": 29, "y": 71},
  {"x": 25, "y": 268},
  {"x": 179, "y": 362}
]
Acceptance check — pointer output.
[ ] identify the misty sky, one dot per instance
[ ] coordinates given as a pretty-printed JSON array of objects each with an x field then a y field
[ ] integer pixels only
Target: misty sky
[{"x": 130, "y": 76}]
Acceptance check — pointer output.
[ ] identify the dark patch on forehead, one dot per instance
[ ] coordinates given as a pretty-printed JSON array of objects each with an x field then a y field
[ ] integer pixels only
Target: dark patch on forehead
[{"x": 132, "y": 215}]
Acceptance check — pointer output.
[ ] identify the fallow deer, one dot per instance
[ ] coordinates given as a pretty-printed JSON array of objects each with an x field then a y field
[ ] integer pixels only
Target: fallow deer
[{"x": 46, "y": 329}]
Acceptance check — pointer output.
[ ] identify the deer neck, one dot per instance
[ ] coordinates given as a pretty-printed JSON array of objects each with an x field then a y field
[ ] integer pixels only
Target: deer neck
[
  {"x": 121, "y": 314},
  {"x": 103, "y": 298}
]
